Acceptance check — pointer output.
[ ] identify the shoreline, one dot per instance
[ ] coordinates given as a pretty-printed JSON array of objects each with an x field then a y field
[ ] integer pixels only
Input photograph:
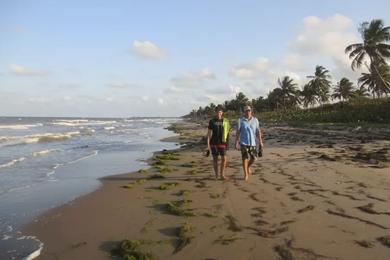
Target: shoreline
[{"x": 309, "y": 197}]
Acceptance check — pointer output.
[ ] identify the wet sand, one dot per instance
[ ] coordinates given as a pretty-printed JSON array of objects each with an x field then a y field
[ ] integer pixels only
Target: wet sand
[{"x": 313, "y": 195}]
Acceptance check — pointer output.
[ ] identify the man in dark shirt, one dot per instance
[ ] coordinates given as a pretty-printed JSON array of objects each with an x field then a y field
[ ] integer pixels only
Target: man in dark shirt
[{"x": 217, "y": 141}]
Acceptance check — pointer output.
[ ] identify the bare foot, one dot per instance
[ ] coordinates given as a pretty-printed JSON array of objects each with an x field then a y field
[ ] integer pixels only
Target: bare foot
[
  {"x": 246, "y": 177},
  {"x": 225, "y": 178}
]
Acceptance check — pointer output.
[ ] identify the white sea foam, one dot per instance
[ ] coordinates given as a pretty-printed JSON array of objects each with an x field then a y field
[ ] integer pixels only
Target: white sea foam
[
  {"x": 44, "y": 152},
  {"x": 37, "y": 138},
  {"x": 18, "y": 127},
  {"x": 12, "y": 162},
  {"x": 86, "y": 131},
  {"x": 37, "y": 252},
  {"x": 53, "y": 170},
  {"x": 109, "y": 128},
  {"x": 85, "y": 157},
  {"x": 81, "y": 122}
]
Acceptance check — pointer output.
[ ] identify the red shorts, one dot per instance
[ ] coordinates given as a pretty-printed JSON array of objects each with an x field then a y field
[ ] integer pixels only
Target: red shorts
[{"x": 218, "y": 149}]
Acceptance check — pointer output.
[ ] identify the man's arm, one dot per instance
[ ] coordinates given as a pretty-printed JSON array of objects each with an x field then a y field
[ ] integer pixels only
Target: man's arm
[
  {"x": 208, "y": 139},
  {"x": 259, "y": 135},
  {"x": 237, "y": 142}
]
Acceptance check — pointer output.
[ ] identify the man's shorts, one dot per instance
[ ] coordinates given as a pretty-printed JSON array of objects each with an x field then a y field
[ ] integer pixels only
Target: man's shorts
[
  {"x": 219, "y": 149},
  {"x": 248, "y": 152}
]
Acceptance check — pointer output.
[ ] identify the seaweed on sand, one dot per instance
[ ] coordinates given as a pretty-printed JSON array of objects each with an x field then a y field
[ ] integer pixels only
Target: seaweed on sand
[
  {"x": 130, "y": 250},
  {"x": 168, "y": 185},
  {"x": 178, "y": 208},
  {"x": 133, "y": 184},
  {"x": 183, "y": 236}
]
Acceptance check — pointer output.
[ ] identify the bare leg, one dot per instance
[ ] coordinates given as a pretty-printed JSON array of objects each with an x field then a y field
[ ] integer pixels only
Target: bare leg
[
  {"x": 215, "y": 164},
  {"x": 223, "y": 166},
  {"x": 245, "y": 164},
  {"x": 251, "y": 161}
]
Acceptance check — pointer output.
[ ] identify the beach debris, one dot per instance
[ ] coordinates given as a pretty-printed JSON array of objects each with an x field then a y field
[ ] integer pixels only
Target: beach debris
[
  {"x": 364, "y": 243},
  {"x": 310, "y": 207},
  {"x": 329, "y": 211},
  {"x": 77, "y": 245},
  {"x": 327, "y": 157},
  {"x": 385, "y": 240},
  {"x": 232, "y": 223},
  {"x": 269, "y": 233},
  {"x": 168, "y": 185},
  {"x": 130, "y": 249},
  {"x": 162, "y": 169},
  {"x": 284, "y": 252},
  {"x": 133, "y": 184},
  {"x": 226, "y": 239},
  {"x": 289, "y": 252},
  {"x": 178, "y": 208},
  {"x": 210, "y": 215},
  {"x": 184, "y": 237},
  {"x": 156, "y": 176},
  {"x": 214, "y": 195},
  {"x": 200, "y": 184}
]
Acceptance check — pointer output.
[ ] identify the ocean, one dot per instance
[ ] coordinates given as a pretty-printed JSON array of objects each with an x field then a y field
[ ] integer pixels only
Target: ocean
[{"x": 46, "y": 162}]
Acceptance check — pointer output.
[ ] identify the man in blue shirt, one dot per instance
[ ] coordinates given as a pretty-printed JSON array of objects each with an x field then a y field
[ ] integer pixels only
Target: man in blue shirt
[{"x": 248, "y": 130}]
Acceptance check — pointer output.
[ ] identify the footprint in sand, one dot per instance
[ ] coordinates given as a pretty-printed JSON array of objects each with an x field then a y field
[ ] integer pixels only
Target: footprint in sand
[{"x": 307, "y": 208}]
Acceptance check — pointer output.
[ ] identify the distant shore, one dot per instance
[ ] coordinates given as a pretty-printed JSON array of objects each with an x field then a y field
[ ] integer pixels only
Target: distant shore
[{"x": 314, "y": 194}]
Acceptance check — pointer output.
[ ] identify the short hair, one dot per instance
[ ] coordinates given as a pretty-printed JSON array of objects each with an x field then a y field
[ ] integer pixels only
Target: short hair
[{"x": 219, "y": 108}]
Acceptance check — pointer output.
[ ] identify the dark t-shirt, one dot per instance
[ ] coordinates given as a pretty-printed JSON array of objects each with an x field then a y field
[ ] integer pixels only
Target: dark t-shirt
[{"x": 216, "y": 126}]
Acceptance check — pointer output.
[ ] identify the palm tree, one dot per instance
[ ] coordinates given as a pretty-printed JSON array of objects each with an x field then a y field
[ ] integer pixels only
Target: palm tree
[
  {"x": 377, "y": 81},
  {"x": 308, "y": 96},
  {"x": 240, "y": 101},
  {"x": 361, "y": 92},
  {"x": 343, "y": 90},
  {"x": 320, "y": 83},
  {"x": 374, "y": 36},
  {"x": 289, "y": 92},
  {"x": 275, "y": 98}
]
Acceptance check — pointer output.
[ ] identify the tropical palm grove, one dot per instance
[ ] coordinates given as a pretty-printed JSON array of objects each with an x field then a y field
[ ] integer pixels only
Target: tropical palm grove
[{"x": 367, "y": 101}]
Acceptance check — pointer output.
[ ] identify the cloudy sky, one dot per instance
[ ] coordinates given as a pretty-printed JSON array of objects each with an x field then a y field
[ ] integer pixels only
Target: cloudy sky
[{"x": 165, "y": 58}]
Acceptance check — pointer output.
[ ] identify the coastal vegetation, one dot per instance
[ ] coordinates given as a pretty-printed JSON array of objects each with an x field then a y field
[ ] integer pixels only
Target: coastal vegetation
[
  {"x": 320, "y": 100},
  {"x": 130, "y": 250},
  {"x": 183, "y": 236}
]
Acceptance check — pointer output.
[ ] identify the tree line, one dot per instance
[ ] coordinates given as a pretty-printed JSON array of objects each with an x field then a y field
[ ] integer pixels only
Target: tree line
[{"x": 372, "y": 54}]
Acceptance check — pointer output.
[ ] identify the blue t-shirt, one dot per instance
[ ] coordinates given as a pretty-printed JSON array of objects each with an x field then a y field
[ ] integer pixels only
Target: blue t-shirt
[{"x": 248, "y": 129}]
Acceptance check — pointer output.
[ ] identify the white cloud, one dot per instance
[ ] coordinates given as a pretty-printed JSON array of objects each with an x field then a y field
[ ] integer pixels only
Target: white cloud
[
  {"x": 250, "y": 70},
  {"x": 120, "y": 86},
  {"x": 326, "y": 40},
  {"x": 160, "y": 101},
  {"x": 23, "y": 71},
  {"x": 38, "y": 99},
  {"x": 147, "y": 49},
  {"x": 317, "y": 42},
  {"x": 193, "y": 79}
]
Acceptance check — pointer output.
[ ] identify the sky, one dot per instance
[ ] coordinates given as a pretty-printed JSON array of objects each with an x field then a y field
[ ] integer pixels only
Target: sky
[{"x": 165, "y": 58}]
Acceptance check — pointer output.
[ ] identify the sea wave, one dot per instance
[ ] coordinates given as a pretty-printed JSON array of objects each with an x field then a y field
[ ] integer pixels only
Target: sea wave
[
  {"x": 19, "y": 127},
  {"x": 44, "y": 152},
  {"x": 37, "y": 138},
  {"x": 12, "y": 162},
  {"x": 85, "y": 157},
  {"x": 82, "y": 122}
]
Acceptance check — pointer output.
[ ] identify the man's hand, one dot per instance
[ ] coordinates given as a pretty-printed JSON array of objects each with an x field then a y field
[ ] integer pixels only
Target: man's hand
[
  {"x": 238, "y": 146},
  {"x": 260, "y": 152}
]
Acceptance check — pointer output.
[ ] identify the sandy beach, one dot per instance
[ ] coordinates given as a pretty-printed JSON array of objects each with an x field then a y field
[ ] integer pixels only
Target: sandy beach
[{"x": 313, "y": 195}]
